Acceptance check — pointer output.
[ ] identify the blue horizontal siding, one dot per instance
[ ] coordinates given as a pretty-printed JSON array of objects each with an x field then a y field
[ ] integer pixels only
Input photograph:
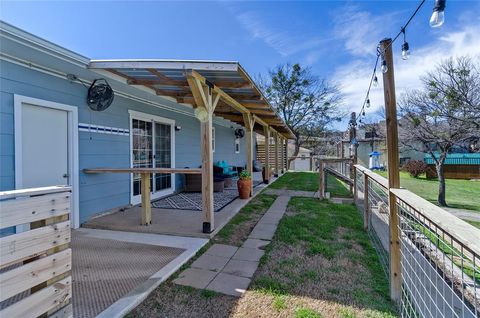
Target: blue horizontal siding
[{"x": 101, "y": 192}]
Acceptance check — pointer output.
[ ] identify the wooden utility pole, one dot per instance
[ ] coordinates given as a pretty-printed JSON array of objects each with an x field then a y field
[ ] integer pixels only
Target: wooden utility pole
[{"x": 393, "y": 169}]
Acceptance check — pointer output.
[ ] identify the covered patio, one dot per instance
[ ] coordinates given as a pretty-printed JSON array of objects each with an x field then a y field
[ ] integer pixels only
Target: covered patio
[{"x": 212, "y": 88}]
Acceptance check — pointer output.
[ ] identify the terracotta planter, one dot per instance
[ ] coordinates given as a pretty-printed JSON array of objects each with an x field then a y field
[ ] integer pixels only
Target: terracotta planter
[{"x": 244, "y": 188}]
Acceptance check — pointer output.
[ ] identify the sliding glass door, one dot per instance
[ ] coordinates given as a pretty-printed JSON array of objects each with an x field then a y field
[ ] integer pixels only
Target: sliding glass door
[{"x": 152, "y": 147}]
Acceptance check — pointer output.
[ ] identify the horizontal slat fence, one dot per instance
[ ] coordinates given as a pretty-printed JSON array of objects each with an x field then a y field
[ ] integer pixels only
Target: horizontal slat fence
[
  {"x": 36, "y": 262},
  {"x": 281, "y": 153}
]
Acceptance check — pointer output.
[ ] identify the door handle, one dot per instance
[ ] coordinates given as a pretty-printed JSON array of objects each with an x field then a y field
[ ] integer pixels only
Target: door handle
[{"x": 66, "y": 175}]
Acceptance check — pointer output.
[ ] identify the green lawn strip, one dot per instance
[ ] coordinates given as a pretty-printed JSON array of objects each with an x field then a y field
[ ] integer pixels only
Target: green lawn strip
[
  {"x": 300, "y": 181},
  {"x": 461, "y": 194},
  {"x": 337, "y": 188},
  {"x": 322, "y": 248}
]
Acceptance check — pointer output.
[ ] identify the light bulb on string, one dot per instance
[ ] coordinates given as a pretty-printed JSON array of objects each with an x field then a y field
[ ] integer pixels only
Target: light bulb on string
[
  {"x": 384, "y": 66},
  {"x": 438, "y": 16},
  {"x": 405, "y": 51},
  {"x": 405, "y": 46},
  {"x": 375, "y": 81},
  {"x": 368, "y": 103},
  {"x": 363, "y": 114}
]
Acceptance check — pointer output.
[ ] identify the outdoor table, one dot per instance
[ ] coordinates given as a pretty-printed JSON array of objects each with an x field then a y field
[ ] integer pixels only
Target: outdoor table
[{"x": 145, "y": 175}]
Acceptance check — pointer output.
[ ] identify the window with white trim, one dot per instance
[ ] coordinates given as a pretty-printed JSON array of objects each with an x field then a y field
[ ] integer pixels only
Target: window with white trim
[
  {"x": 213, "y": 139},
  {"x": 237, "y": 145}
]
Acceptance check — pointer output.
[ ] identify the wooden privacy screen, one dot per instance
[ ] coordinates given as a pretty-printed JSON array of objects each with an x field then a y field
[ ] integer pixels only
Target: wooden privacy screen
[
  {"x": 281, "y": 153},
  {"x": 36, "y": 263}
]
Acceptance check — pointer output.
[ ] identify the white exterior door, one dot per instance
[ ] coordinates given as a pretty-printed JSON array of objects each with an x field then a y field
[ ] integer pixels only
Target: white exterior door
[{"x": 44, "y": 146}]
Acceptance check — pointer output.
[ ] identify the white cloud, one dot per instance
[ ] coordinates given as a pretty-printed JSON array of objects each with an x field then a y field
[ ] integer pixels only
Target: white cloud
[
  {"x": 355, "y": 76},
  {"x": 360, "y": 30},
  {"x": 281, "y": 41}
]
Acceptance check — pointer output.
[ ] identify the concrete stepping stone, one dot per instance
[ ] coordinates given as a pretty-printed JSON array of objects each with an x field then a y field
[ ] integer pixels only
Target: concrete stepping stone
[
  {"x": 263, "y": 231},
  {"x": 210, "y": 262},
  {"x": 270, "y": 219},
  {"x": 229, "y": 284},
  {"x": 248, "y": 254},
  {"x": 195, "y": 277},
  {"x": 255, "y": 243},
  {"x": 222, "y": 250},
  {"x": 240, "y": 268}
]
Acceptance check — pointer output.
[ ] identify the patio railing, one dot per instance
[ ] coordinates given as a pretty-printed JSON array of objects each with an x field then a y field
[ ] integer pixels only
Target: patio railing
[
  {"x": 439, "y": 253},
  {"x": 36, "y": 261}
]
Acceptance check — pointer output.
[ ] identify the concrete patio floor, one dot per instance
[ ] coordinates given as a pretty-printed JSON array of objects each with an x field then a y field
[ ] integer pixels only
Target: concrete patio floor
[
  {"x": 114, "y": 271},
  {"x": 168, "y": 221}
]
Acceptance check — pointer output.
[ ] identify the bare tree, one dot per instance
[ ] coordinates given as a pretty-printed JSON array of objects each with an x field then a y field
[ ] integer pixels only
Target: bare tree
[
  {"x": 444, "y": 114},
  {"x": 307, "y": 104}
]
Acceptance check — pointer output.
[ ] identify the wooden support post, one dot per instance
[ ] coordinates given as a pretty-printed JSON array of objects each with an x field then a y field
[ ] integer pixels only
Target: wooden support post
[
  {"x": 321, "y": 190},
  {"x": 206, "y": 101},
  {"x": 146, "y": 204},
  {"x": 311, "y": 162},
  {"x": 276, "y": 154},
  {"x": 249, "y": 123},
  {"x": 393, "y": 172},
  {"x": 366, "y": 204},
  {"x": 286, "y": 155},
  {"x": 266, "y": 133}
]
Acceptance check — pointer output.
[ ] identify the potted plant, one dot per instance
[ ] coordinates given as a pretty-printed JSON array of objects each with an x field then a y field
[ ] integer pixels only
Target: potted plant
[{"x": 244, "y": 184}]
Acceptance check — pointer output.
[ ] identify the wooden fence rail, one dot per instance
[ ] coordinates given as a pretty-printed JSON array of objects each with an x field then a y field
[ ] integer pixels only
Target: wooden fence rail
[{"x": 36, "y": 262}]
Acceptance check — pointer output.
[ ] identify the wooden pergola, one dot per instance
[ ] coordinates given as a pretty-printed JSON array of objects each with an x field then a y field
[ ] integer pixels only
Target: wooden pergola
[{"x": 212, "y": 88}]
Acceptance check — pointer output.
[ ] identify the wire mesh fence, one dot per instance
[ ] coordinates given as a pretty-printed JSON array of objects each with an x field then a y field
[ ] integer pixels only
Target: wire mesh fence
[
  {"x": 441, "y": 275},
  {"x": 440, "y": 267}
]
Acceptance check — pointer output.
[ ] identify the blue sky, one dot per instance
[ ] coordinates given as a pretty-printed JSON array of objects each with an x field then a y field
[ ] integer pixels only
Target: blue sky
[{"x": 337, "y": 39}]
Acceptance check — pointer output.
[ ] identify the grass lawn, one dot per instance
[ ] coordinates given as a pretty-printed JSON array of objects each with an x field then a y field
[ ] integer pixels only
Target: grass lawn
[
  {"x": 337, "y": 188},
  {"x": 313, "y": 268},
  {"x": 301, "y": 181},
  {"x": 308, "y": 181},
  {"x": 462, "y": 194},
  {"x": 320, "y": 264}
]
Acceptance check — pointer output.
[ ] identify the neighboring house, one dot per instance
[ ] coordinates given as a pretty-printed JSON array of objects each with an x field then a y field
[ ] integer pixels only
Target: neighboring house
[
  {"x": 371, "y": 138},
  {"x": 303, "y": 161},
  {"x": 456, "y": 166},
  {"x": 49, "y": 134}
]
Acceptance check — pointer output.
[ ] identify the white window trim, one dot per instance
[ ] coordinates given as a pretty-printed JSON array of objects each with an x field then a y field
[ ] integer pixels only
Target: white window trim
[
  {"x": 237, "y": 143},
  {"x": 73, "y": 166},
  {"x": 213, "y": 139},
  {"x": 162, "y": 120}
]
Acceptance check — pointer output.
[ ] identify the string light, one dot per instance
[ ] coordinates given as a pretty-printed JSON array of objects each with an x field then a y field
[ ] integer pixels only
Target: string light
[
  {"x": 436, "y": 20},
  {"x": 438, "y": 16},
  {"x": 405, "y": 47},
  {"x": 384, "y": 66}
]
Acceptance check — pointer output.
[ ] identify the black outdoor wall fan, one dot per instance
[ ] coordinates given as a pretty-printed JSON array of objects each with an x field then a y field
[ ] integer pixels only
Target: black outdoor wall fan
[
  {"x": 100, "y": 95},
  {"x": 239, "y": 133}
]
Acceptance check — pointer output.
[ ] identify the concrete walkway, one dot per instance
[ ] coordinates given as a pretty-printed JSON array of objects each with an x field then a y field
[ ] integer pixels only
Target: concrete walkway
[
  {"x": 464, "y": 214},
  {"x": 228, "y": 269}
]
